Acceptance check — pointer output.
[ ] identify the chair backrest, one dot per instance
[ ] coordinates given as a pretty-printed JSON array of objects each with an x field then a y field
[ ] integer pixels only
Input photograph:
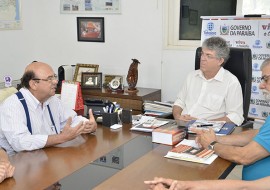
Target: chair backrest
[
  {"x": 239, "y": 64},
  {"x": 6, "y": 92}
]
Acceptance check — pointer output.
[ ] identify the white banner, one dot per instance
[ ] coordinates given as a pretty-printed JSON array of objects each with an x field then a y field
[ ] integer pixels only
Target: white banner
[{"x": 253, "y": 33}]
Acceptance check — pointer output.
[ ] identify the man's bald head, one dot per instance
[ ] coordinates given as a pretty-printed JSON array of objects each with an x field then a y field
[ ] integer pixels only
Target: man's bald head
[{"x": 33, "y": 70}]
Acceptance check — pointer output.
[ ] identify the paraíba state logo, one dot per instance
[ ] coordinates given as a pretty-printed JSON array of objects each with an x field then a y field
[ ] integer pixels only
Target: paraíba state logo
[{"x": 224, "y": 30}]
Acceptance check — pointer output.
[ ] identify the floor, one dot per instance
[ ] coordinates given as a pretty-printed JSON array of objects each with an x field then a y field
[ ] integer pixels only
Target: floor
[{"x": 236, "y": 173}]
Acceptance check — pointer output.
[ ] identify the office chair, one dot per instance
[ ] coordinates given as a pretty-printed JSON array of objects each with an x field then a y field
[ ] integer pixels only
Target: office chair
[
  {"x": 6, "y": 92},
  {"x": 239, "y": 64}
]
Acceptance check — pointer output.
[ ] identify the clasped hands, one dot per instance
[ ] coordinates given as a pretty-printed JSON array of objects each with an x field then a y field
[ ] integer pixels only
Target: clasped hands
[
  {"x": 6, "y": 170},
  {"x": 204, "y": 136},
  {"x": 88, "y": 126}
]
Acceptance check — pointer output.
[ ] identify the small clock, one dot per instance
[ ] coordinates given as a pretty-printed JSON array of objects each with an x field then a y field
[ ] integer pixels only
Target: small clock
[{"x": 115, "y": 84}]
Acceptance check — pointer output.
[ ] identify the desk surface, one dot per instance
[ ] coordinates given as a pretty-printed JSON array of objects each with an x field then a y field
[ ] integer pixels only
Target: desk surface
[
  {"x": 154, "y": 164},
  {"x": 39, "y": 169}
]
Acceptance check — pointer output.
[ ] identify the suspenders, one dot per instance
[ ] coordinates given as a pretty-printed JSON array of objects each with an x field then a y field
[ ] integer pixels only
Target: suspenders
[{"x": 22, "y": 100}]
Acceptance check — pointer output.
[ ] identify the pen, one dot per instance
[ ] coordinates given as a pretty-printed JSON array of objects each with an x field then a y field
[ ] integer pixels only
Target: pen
[
  {"x": 110, "y": 109},
  {"x": 204, "y": 125}
]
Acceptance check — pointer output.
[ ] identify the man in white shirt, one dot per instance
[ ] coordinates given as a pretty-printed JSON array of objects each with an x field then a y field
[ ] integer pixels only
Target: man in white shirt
[
  {"x": 211, "y": 93},
  {"x": 34, "y": 118},
  {"x": 250, "y": 148}
]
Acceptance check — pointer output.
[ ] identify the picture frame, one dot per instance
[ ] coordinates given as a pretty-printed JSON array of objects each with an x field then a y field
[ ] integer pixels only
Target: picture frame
[
  {"x": 90, "y": 6},
  {"x": 91, "y": 80},
  {"x": 113, "y": 82},
  {"x": 193, "y": 17},
  {"x": 90, "y": 29},
  {"x": 80, "y": 68}
]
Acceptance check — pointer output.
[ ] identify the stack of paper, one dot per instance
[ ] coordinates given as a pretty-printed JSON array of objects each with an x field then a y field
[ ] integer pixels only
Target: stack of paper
[
  {"x": 156, "y": 108},
  {"x": 146, "y": 123}
]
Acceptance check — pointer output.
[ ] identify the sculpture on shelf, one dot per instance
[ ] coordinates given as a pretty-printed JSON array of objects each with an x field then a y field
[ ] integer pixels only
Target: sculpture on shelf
[{"x": 132, "y": 76}]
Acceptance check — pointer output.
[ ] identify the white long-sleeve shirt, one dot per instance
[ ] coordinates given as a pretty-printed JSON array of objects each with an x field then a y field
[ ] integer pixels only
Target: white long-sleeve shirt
[
  {"x": 14, "y": 134},
  {"x": 214, "y": 98}
]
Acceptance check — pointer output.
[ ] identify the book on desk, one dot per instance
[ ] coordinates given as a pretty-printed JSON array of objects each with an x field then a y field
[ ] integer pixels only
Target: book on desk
[
  {"x": 188, "y": 150},
  {"x": 220, "y": 127},
  {"x": 169, "y": 134}
]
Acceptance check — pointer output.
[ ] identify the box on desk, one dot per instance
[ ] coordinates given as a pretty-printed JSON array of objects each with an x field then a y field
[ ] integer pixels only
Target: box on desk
[
  {"x": 126, "y": 116},
  {"x": 109, "y": 119},
  {"x": 169, "y": 134}
]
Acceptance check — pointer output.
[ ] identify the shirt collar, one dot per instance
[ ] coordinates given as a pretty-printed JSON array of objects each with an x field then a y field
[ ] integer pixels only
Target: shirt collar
[
  {"x": 219, "y": 76},
  {"x": 33, "y": 100}
]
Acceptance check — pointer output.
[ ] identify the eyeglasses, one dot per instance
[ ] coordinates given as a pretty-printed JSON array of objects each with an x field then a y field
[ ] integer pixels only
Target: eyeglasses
[
  {"x": 49, "y": 78},
  {"x": 207, "y": 56},
  {"x": 265, "y": 78}
]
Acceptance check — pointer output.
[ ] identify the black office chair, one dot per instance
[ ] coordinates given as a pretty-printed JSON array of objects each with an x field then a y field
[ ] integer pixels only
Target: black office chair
[{"x": 239, "y": 64}]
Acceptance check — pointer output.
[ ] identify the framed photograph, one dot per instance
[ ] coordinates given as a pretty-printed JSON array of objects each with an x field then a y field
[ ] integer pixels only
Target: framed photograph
[
  {"x": 91, "y": 6},
  {"x": 90, "y": 29},
  {"x": 193, "y": 17},
  {"x": 83, "y": 68},
  {"x": 91, "y": 80},
  {"x": 113, "y": 82}
]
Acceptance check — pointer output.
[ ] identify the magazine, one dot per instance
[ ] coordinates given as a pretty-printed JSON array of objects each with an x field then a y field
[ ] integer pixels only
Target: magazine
[{"x": 188, "y": 150}]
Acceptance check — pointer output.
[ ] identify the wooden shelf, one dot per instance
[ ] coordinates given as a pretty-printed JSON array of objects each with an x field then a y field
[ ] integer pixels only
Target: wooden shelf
[{"x": 126, "y": 100}]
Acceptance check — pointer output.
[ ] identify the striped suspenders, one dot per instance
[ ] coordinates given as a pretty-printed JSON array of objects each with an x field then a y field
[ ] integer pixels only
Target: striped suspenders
[{"x": 22, "y": 100}]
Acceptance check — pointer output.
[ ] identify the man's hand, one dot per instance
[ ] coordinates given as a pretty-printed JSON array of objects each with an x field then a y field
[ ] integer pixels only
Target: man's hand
[
  {"x": 90, "y": 125},
  {"x": 186, "y": 117},
  {"x": 69, "y": 132},
  {"x": 6, "y": 170},
  {"x": 162, "y": 183},
  {"x": 159, "y": 183},
  {"x": 204, "y": 137}
]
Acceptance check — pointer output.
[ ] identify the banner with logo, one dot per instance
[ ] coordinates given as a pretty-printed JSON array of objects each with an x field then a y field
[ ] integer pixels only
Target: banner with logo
[{"x": 241, "y": 32}]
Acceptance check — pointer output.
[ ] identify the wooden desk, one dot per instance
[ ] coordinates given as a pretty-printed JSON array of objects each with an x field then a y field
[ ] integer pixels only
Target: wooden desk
[
  {"x": 40, "y": 169},
  {"x": 132, "y": 101},
  {"x": 154, "y": 164}
]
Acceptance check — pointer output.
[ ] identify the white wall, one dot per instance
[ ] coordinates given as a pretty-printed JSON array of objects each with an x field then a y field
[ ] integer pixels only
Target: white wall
[
  {"x": 51, "y": 37},
  {"x": 176, "y": 65}
]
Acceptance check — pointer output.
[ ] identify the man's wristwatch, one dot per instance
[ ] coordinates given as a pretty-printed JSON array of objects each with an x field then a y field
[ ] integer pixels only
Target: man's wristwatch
[{"x": 211, "y": 145}]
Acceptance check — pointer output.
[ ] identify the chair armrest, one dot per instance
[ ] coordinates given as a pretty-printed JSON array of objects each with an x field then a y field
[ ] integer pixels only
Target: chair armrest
[{"x": 247, "y": 124}]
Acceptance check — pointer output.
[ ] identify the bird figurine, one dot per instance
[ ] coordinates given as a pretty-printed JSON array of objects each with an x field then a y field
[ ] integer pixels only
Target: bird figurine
[{"x": 132, "y": 76}]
